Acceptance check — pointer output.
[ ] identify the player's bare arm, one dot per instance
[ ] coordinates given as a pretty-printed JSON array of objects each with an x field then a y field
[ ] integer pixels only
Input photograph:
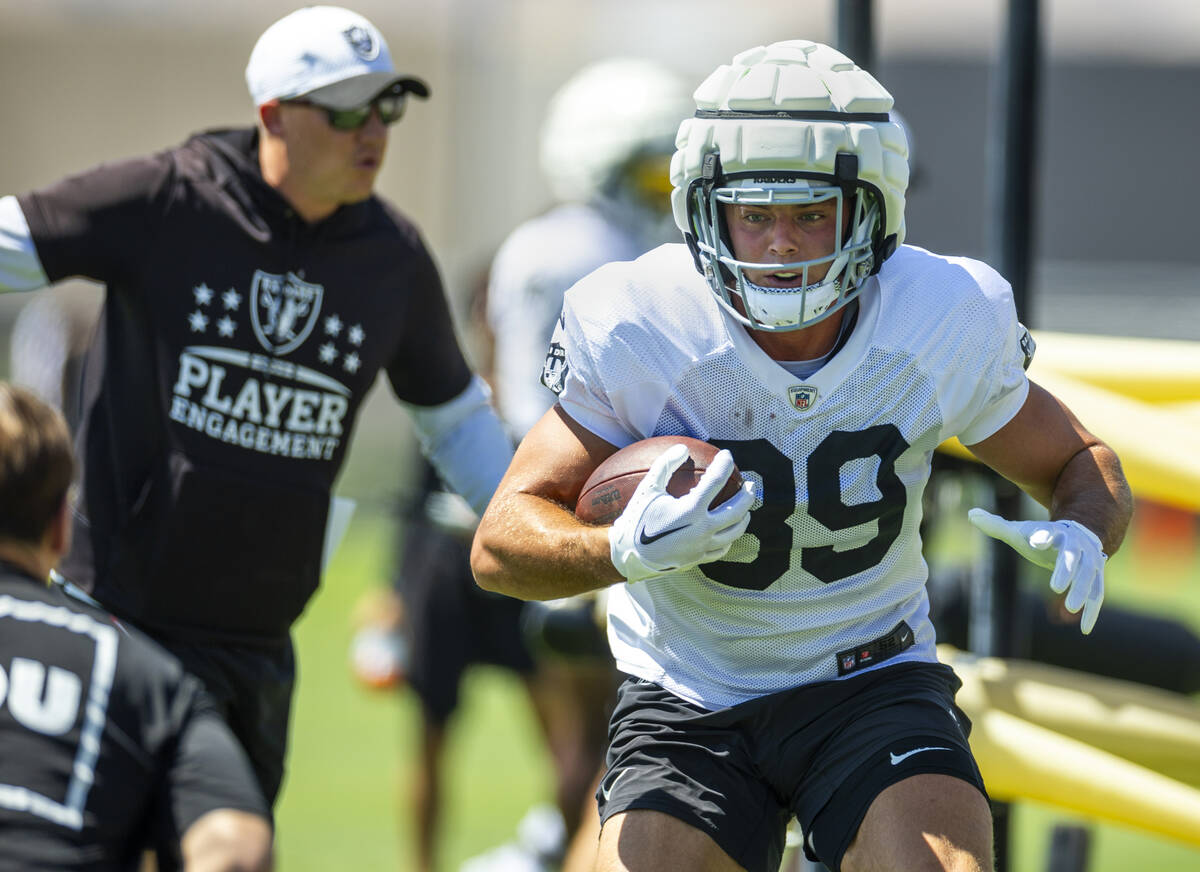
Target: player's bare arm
[
  {"x": 1049, "y": 454},
  {"x": 529, "y": 543}
]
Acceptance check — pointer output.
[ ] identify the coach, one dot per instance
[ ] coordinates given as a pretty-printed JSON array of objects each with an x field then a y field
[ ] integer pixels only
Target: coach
[{"x": 255, "y": 287}]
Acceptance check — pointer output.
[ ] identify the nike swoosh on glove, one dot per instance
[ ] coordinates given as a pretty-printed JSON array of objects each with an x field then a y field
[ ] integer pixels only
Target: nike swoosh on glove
[
  {"x": 1071, "y": 550},
  {"x": 658, "y": 534}
]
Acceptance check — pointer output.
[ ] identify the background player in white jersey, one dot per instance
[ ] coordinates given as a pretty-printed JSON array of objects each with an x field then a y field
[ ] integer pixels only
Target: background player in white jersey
[
  {"x": 781, "y": 658},
  {"x": 605, "y": 148}
]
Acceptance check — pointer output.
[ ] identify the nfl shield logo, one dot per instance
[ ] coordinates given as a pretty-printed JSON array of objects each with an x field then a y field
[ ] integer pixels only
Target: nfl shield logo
[
  {"x": 283, "y": 310},
  {"x": 802, "y": 397}
]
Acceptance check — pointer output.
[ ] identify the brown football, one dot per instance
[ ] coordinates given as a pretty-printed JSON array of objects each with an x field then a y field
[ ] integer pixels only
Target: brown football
[{"x": 608, "y": 490}]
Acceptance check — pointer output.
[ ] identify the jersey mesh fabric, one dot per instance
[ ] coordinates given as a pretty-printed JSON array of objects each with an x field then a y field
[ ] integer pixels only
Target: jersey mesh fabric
[{"x": 832, "y": 558}]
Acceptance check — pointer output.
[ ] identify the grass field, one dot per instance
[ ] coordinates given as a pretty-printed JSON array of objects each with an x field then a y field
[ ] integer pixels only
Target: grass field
[
  {"x": 352, "y": 750},
  {"x": 344, "y": 808}
]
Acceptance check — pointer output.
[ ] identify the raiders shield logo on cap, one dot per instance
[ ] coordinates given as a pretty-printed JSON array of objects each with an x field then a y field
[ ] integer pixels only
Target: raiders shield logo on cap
[{"x": 362, "y": 42}]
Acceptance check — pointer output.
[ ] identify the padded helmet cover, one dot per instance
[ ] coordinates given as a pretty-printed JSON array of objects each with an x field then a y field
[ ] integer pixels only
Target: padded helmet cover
[{"x": 791, "y": 108}]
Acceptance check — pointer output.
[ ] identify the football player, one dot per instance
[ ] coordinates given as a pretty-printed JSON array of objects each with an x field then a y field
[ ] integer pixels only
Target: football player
[{"x": 780, "y": 657}]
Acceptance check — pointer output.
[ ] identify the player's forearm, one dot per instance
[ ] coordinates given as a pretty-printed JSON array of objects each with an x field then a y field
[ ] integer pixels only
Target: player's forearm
[
  {"x": 533, "y": 549},
  {"x": 227, "y": 840},
  {"x": 1092, "y": 490}
]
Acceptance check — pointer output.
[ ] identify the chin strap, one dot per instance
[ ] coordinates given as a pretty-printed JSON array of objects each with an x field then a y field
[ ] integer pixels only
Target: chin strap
[
  {"x": 711, "y": 176},
  {"x": 845, "y": 171}
]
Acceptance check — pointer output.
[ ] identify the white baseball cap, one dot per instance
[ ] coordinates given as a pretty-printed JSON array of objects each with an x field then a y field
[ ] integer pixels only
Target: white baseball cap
[{"x": 328, "y": 55}]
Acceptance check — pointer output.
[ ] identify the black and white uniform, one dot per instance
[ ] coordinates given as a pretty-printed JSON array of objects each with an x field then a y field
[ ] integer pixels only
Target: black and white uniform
[
  {"x": 236, "y": 346},
  {"x": 827, "y": 586},
  {"x": 109, "y": 746}
]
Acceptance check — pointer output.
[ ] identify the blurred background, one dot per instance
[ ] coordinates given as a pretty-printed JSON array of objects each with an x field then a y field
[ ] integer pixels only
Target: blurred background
[{"x": 84, "y": 81}]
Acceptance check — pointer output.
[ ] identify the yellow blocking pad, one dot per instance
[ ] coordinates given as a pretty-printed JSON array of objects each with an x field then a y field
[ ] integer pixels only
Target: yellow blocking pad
[
  {"x": 1020, "y": 760},
  {"x": 1024, "y": 760},
  {"x": 1151, "y": 370},
  {"x": 1148, "y": 726},
  {"x": 1157, "y": 445},
  {"x": 1189, "y": 409}
]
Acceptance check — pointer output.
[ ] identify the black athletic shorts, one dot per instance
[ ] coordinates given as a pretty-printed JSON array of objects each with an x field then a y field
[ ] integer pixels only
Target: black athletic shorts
[
  {"x": 252, "y": 689},
  {"x": 822, "y": 752},
  {"x": 452, "y": 622}
]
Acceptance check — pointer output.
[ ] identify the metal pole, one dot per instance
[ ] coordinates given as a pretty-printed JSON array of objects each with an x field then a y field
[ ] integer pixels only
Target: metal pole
[
  {"x": 1011, "y": 166},
  {"x": 1012, "y": 163},
  {"x": 1012, "y": 156},
  {"x": 855, "y": 34}
]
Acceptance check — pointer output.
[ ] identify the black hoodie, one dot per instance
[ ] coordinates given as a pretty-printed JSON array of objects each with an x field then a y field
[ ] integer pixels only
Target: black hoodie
[{"x": 235, "y": 348}]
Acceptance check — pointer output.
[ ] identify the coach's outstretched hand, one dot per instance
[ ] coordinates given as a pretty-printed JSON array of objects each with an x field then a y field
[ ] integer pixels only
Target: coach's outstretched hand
[
  {"x": 658, "y": 534},
  {"x": 1071, "y": 550}
]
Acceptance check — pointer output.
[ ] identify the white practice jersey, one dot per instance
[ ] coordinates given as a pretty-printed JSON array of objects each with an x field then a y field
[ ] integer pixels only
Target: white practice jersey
[
  {"x": 532, "y": 270},
  {"x": 832, "y": 557}
]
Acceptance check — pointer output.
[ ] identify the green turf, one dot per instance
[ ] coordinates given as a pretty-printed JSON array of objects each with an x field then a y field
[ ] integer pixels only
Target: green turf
[{"x": 343, "y": 805}]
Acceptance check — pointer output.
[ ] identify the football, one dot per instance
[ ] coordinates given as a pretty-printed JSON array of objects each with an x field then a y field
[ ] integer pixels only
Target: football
[{"x": 608, "y": 490}]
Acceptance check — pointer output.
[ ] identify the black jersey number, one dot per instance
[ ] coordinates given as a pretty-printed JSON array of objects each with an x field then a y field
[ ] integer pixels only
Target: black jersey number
[{"x": 825, "y": 504}]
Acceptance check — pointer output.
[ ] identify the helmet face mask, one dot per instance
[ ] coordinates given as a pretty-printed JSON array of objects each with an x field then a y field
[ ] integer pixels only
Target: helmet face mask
[
  {"x": 791, "y": 123},
  {"x": 775, "y": 309}
]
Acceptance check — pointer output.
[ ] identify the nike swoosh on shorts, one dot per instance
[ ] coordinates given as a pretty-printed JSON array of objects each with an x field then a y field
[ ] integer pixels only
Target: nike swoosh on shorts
[
  {"x": 897, "y": 759},
  {"x": 606, "y": 792}
]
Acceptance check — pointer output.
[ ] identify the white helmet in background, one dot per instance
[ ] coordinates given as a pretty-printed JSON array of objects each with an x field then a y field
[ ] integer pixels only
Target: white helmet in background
[
  {"x": 613, "y": 124},
  {"x": 788, "y": 123}
]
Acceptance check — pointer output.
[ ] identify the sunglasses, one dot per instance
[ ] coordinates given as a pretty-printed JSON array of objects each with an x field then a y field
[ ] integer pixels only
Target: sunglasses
[{"x": 390, "y": 108}]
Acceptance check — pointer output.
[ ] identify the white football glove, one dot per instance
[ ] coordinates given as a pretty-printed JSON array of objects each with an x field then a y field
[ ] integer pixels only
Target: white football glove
[
  {"x": 1071, "y": 550},
  {"x": 658, "y": 534}
]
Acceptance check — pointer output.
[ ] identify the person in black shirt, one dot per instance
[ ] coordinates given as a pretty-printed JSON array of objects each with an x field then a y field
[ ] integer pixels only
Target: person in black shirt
[
  {"x": 255, "y": 287},
  {"x": 109, "y": 746}
]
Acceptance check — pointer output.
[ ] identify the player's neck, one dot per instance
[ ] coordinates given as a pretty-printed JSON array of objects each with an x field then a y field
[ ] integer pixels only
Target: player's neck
[
  {"x": 807, "y": 344},
  {"x": 36, "y": 560}
]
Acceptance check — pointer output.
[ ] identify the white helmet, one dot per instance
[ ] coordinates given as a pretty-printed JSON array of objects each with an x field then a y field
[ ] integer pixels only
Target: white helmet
[
  {"x": 605, "y": 117},
  {"x": 792, "y": 122}
]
